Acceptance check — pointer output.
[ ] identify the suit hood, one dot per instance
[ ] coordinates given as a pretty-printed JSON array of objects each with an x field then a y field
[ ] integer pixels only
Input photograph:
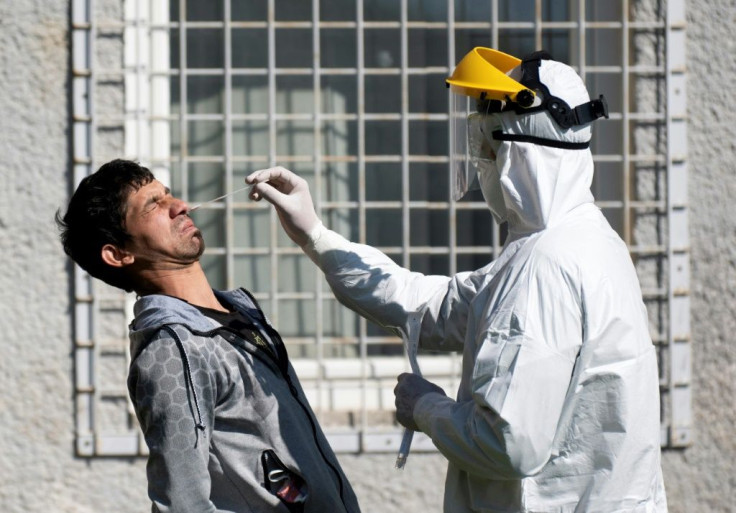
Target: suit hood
[{"x": 540, "y": 184}]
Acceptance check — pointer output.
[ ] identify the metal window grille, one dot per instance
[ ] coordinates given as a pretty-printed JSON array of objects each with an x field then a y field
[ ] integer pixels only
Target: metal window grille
[{"x": 350, "y": 94}]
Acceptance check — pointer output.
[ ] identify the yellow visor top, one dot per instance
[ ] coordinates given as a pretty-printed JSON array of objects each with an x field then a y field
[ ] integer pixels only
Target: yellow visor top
[{"x": 483, "y": 70}]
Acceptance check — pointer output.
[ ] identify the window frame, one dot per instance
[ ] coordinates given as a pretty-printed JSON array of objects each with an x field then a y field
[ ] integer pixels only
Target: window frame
[{"x": 145, "y": 119}]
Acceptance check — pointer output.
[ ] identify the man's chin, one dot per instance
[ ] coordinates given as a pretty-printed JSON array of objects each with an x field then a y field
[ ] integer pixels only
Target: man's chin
[
  {"x": 198, "y": 236},
  {"x": 194, "y": 249}
]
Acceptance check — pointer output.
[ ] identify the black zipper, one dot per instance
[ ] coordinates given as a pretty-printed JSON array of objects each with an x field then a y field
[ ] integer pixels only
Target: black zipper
[{"x": 281, "y": 348}]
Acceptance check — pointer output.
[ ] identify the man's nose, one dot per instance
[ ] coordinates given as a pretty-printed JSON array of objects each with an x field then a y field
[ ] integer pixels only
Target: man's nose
[{"x": 178, "y": 207}]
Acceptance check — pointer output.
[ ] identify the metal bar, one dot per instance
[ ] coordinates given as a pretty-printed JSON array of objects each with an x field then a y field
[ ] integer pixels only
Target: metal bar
[
  {"x": 678, "y": 258},
  {"x": 495, "y": 25},
  {"x": 112, "y": 26},
  {"x": 160, "y": 94},
  {"x": 405, "y": 214},
  {"x": 452, "y": 210},
  {"x": 317, "y": 193},
  {"x": 229, "y": 215},
  {"x": 183, "y": 100},
  {"x": 83, "y": 140},
  {"x": 273, "y": 219},
  {"x": 537, "y": 24},
  {"x": 625, "y": 127},
  {"x": 360, "y": 63},
  {"x": 93, "y": 354},
  {"x": 582, "y": 64}
]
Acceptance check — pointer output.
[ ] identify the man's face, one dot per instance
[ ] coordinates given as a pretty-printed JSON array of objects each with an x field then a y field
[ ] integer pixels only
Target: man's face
[{"x": 163, "y": 236}]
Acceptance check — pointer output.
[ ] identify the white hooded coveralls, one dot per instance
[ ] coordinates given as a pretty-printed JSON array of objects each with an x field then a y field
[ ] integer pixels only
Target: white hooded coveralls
[{"x": 558, "y": 406}]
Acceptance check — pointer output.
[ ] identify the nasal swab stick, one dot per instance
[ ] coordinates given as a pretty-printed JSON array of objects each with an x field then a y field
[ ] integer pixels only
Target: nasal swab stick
[{"x": 195, "y": 207}]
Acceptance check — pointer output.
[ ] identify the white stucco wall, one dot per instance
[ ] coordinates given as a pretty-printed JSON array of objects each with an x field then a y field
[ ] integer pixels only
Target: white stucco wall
[
  {"x": 38, "y": 468},
  {"x": 703, "y": 478}
]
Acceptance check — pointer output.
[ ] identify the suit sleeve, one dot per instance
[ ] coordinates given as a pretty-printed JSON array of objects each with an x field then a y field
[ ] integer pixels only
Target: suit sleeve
[
  {"x": 526, "y": 353},
  {"x": 176, "y": 427},
  {"x": 368, "y": 282}
]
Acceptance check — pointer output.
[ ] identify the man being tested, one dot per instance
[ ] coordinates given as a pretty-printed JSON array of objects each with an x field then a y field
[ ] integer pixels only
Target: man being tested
[
  {"x": 225, "y": 419},
  {"x": 558, "y": 406}
]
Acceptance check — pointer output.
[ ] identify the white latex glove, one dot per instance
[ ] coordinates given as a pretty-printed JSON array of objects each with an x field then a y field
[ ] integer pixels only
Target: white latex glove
[
  {"x": 409, "y": 389},
  {"x": 289, "y": 193}
]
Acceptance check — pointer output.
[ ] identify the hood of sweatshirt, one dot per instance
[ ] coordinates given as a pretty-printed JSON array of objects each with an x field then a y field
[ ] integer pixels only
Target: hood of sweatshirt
[{"x": 154, "y": 311}]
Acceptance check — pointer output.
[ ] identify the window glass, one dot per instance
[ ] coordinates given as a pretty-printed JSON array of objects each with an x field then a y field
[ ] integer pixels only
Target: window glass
[
  {"x": 428, "y": 182},
  {"x": 382, "y": 48},
  {"x": 382, "y": 93},
  {"x": 344, "y": 220},
  {"x": 294, "y": 48},
  {"x": 294, "y": 94},
  {"x": 429, "y": 227},
  {"x": 338, "y": 48},
  {"x": 252, "y": 271},
  {"x": 250, "y": 138},
  {"x": 339, "y": 94},
  {"x": 293, "y": 10},
  {"x": 557, "y": 44},
  {"x": 294, "y": 138},
  {"x": 382, "y": 138},
  {"x": 478, "y": 227},
  {"x": 428, "y": 138},
  {"x": 249, "y": 94},
  {"x": 205, "y": 94},
  {"x": 339, "y": 138},
  {"x": 467, "y": 39},
  {"x": 607, "y": 38},
  {"x": 517, "y": 10},
  {"x": 518, "y": 42},
  {"x": 430, "y": 264},
  {"x": 297, "y": 274},
  {"x": 247, "y": 10},
  {"x": 340, "y": 181},
  {"x": 214, "y": 267},
  {"x": 377, "y": 222},
  {"x": 427, "y": 10},
  {"x": 205, "y": 138},
  {"x": 427, "y": 47},
  {"x": 212, "y": 10},
  {"x": 249, "y": 48},
  {"x": 604, "y": 11},
  {"x": 250, "y": 228},
  {"x": 383, "y": 181},
  {"x": 205, "y": 180},
  {"x": 301, "y": 316},
  {"x": 472, "y": 10},
  {"x": 205, "y": 48},
  {"x": 337, "y": 10},
  {"x": 382, "y": 10},
  {"x": 428, "y": 93}
]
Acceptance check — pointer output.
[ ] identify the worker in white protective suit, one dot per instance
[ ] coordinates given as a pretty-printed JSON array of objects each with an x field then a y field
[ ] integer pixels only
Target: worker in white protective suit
[{"x": 558, "y": 406}]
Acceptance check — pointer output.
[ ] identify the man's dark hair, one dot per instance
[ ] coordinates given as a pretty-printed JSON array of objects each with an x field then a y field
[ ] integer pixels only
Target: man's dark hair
[{"x": 96, "y": 216}]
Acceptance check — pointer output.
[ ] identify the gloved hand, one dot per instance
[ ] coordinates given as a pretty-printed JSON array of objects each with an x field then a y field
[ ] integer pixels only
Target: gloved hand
[
  {"x": 289, "y": 193},
  {"x": 409, "y": 389}
]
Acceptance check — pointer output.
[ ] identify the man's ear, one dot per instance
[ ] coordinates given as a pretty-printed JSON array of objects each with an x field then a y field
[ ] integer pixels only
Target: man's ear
[{"x": 116, "y": 257}]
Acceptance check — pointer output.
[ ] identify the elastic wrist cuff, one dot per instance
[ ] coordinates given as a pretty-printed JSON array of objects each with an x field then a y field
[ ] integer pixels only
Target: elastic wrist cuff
[
  {"x": 423, "y": 407},
  {"x": 321, "y": 241},
  {"x": 314, "y": 235}
]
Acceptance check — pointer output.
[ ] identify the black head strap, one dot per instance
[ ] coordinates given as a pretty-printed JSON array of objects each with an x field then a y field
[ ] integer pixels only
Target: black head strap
[
  {"x": 558, "y": 108},
  {"x": 565, "y": 145}
]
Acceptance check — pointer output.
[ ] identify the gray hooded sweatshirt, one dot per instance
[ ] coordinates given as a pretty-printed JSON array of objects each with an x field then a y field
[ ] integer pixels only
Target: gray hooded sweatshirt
[{"x": 226, "y": 421}]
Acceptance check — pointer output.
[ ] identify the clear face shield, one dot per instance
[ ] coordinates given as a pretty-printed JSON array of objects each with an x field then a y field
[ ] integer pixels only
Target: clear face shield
[{"x": 472, "y": 147}]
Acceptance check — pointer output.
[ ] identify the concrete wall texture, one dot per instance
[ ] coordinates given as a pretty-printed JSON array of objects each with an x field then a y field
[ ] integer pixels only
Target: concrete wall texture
[{"x": 38, "y": 468}]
